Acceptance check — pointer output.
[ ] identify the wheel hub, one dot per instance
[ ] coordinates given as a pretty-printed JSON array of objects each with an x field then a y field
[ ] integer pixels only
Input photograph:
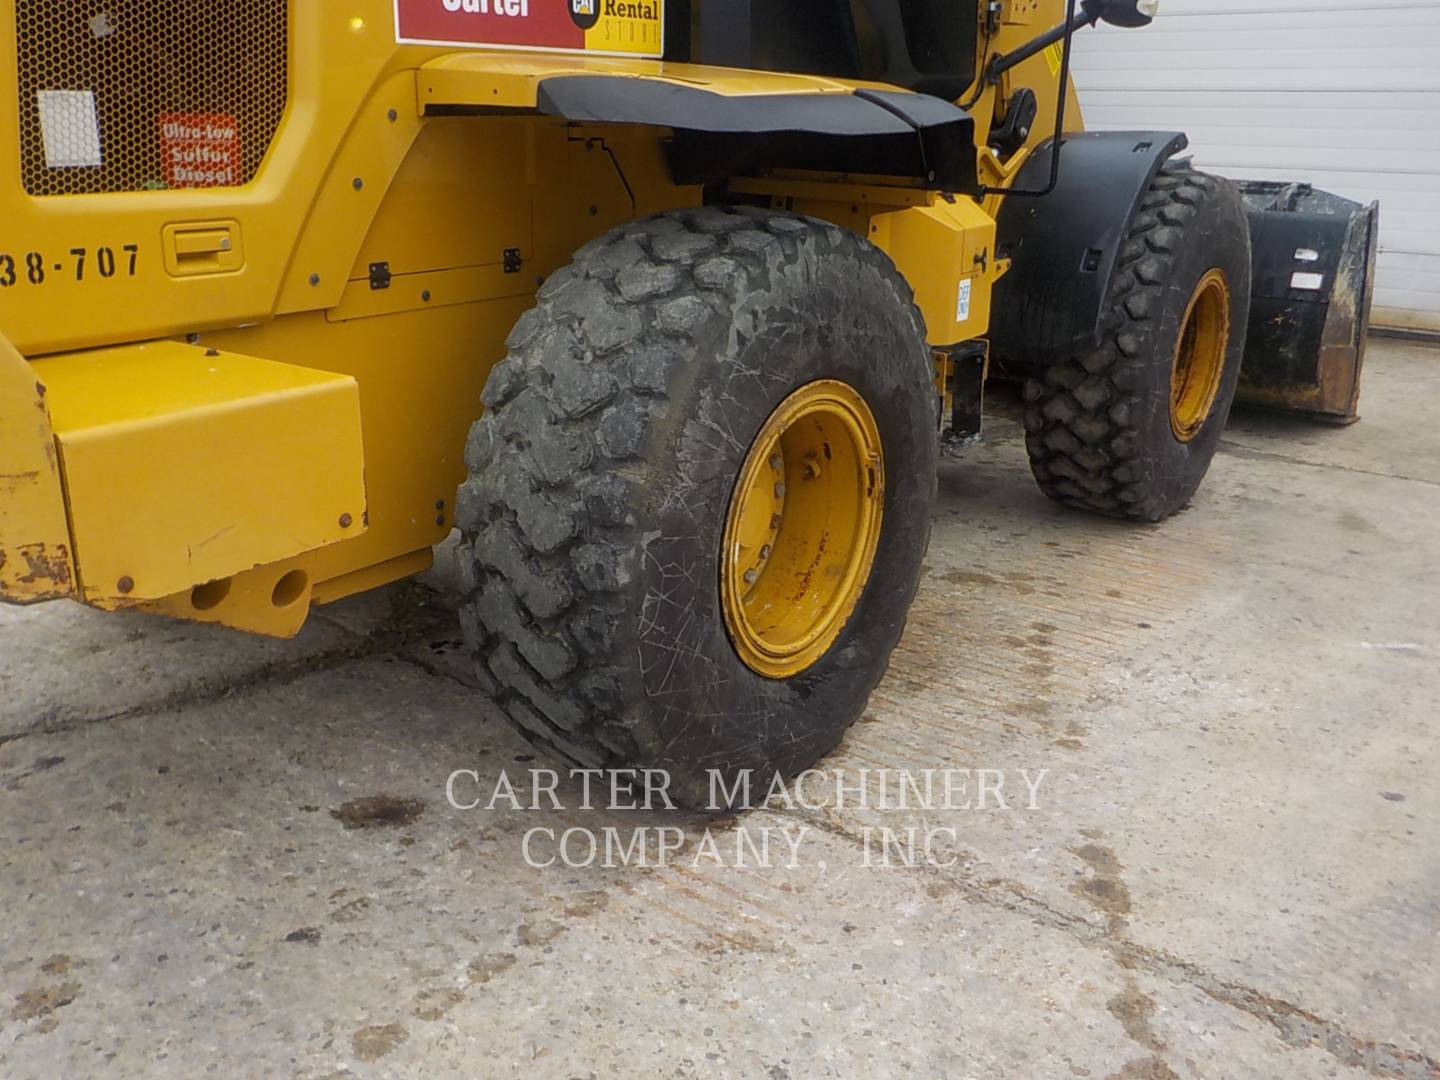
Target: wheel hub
[
  {"x": 802, "y": 528},
  {"x": 1200, "y": 356}
]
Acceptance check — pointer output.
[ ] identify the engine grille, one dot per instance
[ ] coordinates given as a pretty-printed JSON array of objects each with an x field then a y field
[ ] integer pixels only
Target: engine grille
[{"x": 133, "y": 95}]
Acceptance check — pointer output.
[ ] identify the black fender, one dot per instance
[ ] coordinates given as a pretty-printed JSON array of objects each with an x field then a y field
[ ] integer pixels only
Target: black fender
[
  {"x": 718, "y": 135},
  {"x": 1064, "y": 246}
]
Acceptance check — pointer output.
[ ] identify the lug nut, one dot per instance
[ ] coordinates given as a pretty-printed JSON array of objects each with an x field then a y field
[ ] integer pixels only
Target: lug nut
[
  {"x": 751, "y": 576},
  {"x": 765, "y": 552},
  {"x": 779, "y": 491},
  {"x": 775, "y": 462}
]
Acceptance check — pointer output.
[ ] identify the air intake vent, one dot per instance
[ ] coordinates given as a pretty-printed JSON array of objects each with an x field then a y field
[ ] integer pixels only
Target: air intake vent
[{"x": 134, "y": 95}]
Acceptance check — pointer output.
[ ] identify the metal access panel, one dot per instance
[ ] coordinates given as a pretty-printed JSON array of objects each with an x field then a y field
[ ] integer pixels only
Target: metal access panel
[
  {"x": 184, "y": 465},
  {"x": 138, "y": 95}
]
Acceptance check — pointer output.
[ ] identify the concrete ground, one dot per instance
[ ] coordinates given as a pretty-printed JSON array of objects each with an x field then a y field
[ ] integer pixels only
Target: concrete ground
[{"x": 1232, "y": 868}]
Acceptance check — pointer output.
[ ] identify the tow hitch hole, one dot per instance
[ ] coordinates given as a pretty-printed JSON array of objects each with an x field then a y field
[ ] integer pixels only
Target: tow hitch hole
[
  {"x": 289, "y": 589},
  {"x": 210, "y": 595}
]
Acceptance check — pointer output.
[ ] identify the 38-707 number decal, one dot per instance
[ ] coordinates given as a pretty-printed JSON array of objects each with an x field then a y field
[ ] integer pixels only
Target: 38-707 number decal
[{"x": 101, "y": 264}]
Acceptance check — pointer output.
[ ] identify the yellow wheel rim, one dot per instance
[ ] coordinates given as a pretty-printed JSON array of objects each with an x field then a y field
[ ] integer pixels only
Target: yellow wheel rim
[
  {"x": 1200, "y": 356},
  {"x": 802, "y": 529}
]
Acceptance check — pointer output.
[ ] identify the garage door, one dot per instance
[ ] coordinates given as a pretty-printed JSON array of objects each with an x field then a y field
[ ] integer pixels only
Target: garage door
[{"x": 1342, "y": 95}]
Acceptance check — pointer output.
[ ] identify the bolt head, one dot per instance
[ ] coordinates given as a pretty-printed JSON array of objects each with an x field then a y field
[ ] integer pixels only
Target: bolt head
[
  {"x": 125, "y": 584},
  {"x": 346, "y": 521},
  {"x": 779, "y": 491},
  {"x": 751, "y": 576}
]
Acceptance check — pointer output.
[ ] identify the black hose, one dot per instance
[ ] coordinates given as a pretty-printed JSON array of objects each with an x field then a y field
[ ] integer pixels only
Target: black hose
[{"x": 981, "y": 81}]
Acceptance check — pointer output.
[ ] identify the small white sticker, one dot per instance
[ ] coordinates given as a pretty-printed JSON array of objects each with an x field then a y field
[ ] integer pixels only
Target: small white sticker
[
  {"x": 1307, "y": 255},
  {"x": 70, "y": 127},
  {"x": 962, "y": 303},
  {"x": 1307, "y": 282}
]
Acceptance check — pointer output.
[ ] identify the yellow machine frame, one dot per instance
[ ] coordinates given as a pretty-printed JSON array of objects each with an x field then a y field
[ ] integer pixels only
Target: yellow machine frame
[{"x": 237, "y": 424}]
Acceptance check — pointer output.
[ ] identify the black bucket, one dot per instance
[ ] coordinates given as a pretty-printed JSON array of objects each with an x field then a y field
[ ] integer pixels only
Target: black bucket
[{"x": 1314, "y": 278}]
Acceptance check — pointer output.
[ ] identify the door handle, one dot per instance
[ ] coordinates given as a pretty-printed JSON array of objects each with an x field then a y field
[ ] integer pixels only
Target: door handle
[{"x": 203, "y": 247}]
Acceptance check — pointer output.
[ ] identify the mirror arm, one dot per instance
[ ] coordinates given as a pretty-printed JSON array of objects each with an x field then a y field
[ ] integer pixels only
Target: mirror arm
[{"x": 1089, "y": 16}]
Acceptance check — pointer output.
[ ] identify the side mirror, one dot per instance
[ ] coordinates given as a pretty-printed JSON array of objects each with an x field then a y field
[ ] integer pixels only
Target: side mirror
[{"x": 1124, "y": 13}]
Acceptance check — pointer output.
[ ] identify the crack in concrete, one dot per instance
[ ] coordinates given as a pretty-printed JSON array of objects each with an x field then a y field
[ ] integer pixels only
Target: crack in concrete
[
  {"x": 1295, "y": 1026},
  {"x": 412, "y": 618},
  {"x": 1249, "y": 453},
  {"x": 437, "y": 671},
  {"x": 276, "y": 673}
]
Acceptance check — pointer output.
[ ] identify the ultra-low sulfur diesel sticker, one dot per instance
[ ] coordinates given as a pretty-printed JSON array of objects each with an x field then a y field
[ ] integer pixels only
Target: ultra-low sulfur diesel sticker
[{"x": 597, "y": 27}]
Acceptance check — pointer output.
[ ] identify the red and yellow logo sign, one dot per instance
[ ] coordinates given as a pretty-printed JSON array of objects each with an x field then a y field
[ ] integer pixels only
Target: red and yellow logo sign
[
  {"x": 200, "y": 150},
  {"x": 598, "y": 27}
]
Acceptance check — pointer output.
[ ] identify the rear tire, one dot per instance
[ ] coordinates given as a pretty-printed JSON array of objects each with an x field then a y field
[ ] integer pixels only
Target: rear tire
[
  {"x": 1129, "y": 429},
  {"x": 602, "y": 476}
]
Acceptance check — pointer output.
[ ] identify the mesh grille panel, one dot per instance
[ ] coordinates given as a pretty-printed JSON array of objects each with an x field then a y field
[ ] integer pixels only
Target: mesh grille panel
[{"x": 130, "y": 95}]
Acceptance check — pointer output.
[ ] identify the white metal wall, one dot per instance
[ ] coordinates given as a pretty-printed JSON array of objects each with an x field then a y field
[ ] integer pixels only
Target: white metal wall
[{"x": 1344, "y": 94}]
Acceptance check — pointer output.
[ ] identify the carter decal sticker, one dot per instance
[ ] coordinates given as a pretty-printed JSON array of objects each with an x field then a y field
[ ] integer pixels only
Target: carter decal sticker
[{"x": 596, "y": 27}]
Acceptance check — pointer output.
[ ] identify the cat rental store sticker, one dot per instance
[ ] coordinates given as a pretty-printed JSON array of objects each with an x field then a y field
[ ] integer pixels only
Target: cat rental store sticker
[{"x": 597, "y": 27}]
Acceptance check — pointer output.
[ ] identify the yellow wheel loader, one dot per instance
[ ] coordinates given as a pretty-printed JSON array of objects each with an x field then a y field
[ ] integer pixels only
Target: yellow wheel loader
[{"x": 667, "y": 306}]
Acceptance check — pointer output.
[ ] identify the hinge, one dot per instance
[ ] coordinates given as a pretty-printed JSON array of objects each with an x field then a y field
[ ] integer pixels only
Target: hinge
[
  {"x": 379, "y": 275},
  {"x": 511, "y": 260}
]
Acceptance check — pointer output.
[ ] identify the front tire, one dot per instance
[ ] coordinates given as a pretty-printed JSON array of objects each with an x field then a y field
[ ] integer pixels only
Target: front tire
[
  {"x": 613, "y": 485},
  {"x": 1129, "y": 429}
]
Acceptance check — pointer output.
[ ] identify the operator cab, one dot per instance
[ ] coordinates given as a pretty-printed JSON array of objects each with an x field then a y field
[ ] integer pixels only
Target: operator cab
[{"x": 928, "y": 46}]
